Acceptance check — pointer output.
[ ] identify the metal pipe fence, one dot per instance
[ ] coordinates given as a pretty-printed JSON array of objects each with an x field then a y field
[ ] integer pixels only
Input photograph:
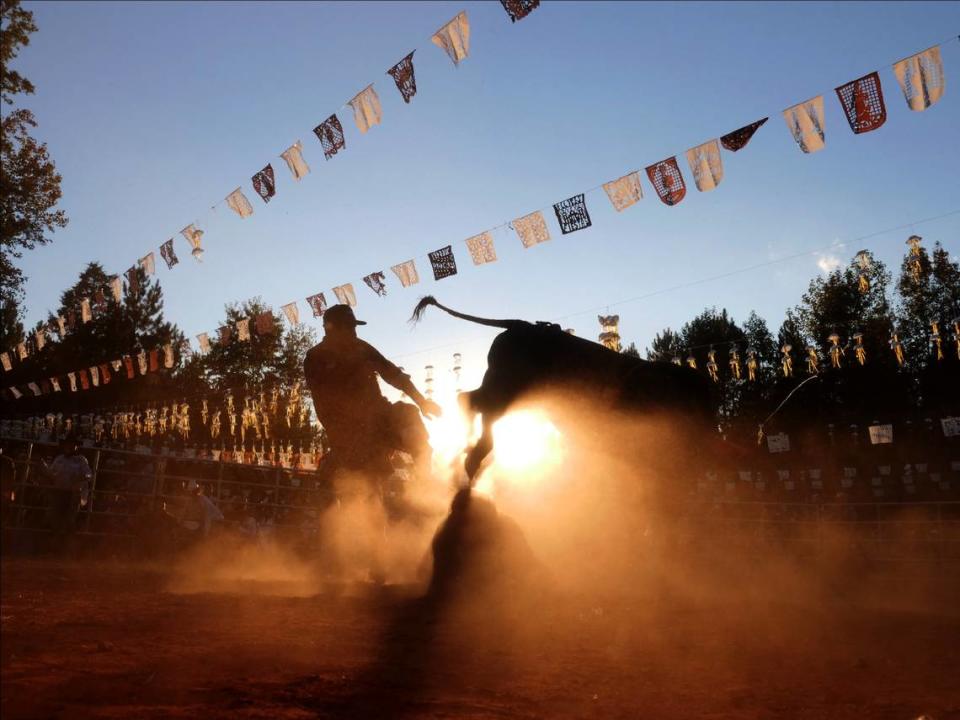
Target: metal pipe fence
[{"x": 128, "y": 487}]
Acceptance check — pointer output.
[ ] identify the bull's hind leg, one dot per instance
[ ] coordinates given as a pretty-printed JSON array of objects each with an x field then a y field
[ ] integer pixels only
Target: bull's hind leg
[{"x": 480, "y": 450}]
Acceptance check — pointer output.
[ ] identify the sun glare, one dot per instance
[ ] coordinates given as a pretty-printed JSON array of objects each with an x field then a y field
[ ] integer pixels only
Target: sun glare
[{"x": 524, "y": 441}]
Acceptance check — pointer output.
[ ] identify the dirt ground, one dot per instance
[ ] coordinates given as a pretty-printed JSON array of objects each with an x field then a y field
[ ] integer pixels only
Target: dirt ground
[{"x": 83, "y": 640}]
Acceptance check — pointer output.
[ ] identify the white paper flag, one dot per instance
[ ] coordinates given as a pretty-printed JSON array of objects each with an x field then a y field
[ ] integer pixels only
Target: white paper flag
[
  {"x": 239, "y": 204},
  {"x": 532, "y": 229},
  {"x": 805, "y": 122},
  {"x": 34, "y": 388},
  {"x": 454, "y": 38},
  {"x": 193, "y": 236},
  {"x": 706, "y": 165},
  {"x": 116, "y": 287},
  {"x": 292, "y": 313},
  {"x": 95, "y": 376},
  {"x": 407, "y": 273},
  {"x": 85, "y": 314},
  {"x": 116, "y": 365},
  {"x": 778, "y": 443},
  {"x": 62, "y": 325},
  {"x": 481, "y": 248},
  {"x": 73, "y": 381},
  {"x": 293, "y": 156},
  {"x": 921, "y": 78},
  {"x": 168, "y": 355},
  {"x": 951, "y": 426},
  {"x": 366, "y": 108},
  {"x": 147, "y": 263},
  {"x": 142, "y": 362},
  {"x": 624, "y": 192},
  {"x": 243, "y": 329},
  {"x": 55, "y": 384},
  {"x": 345, "y": 295},
  {"x": 881, "y": 434},
  {"x": 16, "y": 393},
  {"x": 5, "y": 360},
  {"x": 41, "y": 338},
  {"x": 22, "y": 351}
]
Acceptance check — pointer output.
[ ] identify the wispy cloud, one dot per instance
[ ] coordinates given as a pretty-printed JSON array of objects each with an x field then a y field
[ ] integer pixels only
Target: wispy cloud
[{"x": 828, "y": 263}]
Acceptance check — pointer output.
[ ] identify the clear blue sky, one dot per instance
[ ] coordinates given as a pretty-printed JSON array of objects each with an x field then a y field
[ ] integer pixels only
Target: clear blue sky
[{"x": 156, "y": 111}]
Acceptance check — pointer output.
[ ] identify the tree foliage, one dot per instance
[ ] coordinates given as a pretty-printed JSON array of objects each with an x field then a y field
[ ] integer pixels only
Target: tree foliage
[{"x": 29, "y": 181}]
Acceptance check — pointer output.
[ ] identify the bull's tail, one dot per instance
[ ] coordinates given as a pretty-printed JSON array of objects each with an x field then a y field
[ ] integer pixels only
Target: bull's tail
[{"x": 429, "y": 300}]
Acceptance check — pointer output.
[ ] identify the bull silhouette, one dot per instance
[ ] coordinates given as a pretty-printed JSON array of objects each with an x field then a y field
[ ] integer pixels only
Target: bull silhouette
[{"x": 530, "y": 357}]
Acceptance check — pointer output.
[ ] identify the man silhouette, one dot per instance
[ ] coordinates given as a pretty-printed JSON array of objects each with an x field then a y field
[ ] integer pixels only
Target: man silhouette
[{"x": 361, "y": 424}]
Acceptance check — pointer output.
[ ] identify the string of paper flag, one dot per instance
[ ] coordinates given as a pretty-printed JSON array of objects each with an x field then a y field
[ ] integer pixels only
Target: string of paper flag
[
  {"x": 453, "y": 38},
  {"x": 920, "y": 76}
]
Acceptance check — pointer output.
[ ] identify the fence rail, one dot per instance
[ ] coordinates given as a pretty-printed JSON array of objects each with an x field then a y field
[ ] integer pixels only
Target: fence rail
[{"x": 125, "y": 486}]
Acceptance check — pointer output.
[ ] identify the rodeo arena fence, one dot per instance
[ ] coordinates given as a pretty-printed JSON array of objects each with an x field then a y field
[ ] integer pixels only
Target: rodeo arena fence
[{"x": 889, "y": 501}]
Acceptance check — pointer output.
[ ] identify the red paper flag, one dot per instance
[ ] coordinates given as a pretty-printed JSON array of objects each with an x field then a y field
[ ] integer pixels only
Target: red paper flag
[
  {"x": 862, "y": 102},
  {"x": 667, "y": 181}
]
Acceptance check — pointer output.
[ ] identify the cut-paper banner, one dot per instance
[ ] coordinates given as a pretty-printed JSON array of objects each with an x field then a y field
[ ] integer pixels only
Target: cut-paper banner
[
  {"x": 318, "y": 304},
  {"x": 572, "y": 214},
  {"x": 133, "y": 280},
  {"x": 330, "y": 134},
  {"x": 443, "y": 263},
  {"x": 72, "y": 377},
  {"x": 5, "y": 361},
  {"x": 454, "y": 38},
  {"x": 738, "y": 139},
  {"x": 116, "y": 287},
  {"x": 264, "y": 323},
  {"x": 292, "y": 313},
  {"x": 806, "y": 124},
  {"x": 168, "y": 255},
  {"x": 264, "y": 184},
  {"x": 706, "y": 165},
  {"x": 34, "y": 388},
  {"x": 406, "y": 272},
  {"x": 403, "y": 75},
  {"x": 62, "y": 325},
  {"x": 624, "y": 192},
  {"x": 95, "y": 376},
  {"x": 481, "y": 248},
  {"x": 40, "y": 337},
  {"x": 366, "y": 108},
  {"x": 293, "y": 156},
  {"x": 376, "y": 281},
  {"x": 345, "y": 295},
  {"x": 921, "y": 78},
  {"x": 84, "y": 380},
  {"x": 532, "y": 229},
  {"x": 667, "y": 180},
  {"x": 224, "y": 334},
  {"x": 55, "y": 384},
  {"x": 22, "y": 350},
  {"x": 862, "y": 101},
  {"x": 204, "y": 341},
  {"x": 128, "y": 365},
  {"x": 519, "y": 9},
  {"x": 45, "y": 387},
  {"x": 86, "y": 315},
  {"x": 243, "y": 330},
  {"x": 168, "y": 355},
  {"x": 238, "y": 201},
  {"x": 99, "y": 300},
  {"x": 193, "y": 236},
  {"x": 154, "y": 359},
  {"x": 105, "y": 374},
  {"x": 16, "y": 393},
  {"x": 148, "y": 264}
]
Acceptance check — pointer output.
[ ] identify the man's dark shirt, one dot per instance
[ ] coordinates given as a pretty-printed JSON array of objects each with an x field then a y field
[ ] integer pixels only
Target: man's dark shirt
[{"x": 343, "y": 382}]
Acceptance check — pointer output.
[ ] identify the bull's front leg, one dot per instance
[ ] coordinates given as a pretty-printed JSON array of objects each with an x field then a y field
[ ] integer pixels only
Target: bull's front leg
[{"x": 480, "y": 450}]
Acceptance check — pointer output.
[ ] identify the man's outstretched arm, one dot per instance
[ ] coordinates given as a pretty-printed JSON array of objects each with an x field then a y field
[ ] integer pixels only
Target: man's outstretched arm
[{"x": 394, "y": 376}]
